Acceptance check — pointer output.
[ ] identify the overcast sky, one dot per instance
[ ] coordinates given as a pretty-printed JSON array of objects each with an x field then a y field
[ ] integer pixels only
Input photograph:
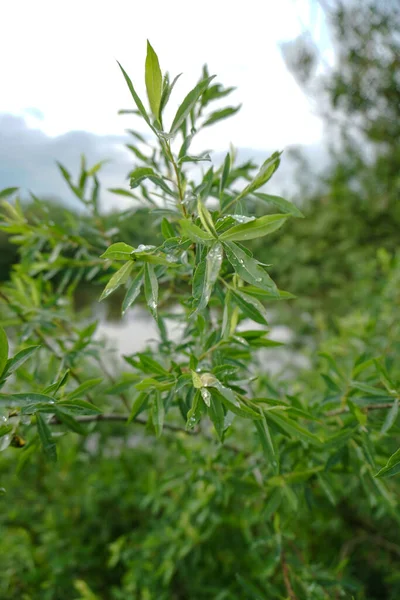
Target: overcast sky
[{"x": 59, "y": 71}]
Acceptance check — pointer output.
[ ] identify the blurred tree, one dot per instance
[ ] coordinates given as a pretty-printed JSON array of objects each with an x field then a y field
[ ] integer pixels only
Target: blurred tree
[{"x": 356, "y": 209}]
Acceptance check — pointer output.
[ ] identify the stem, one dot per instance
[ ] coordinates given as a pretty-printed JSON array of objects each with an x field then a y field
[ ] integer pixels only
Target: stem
[
  {"x": 178, "y": 179},
  {"x": 286, "y": 578},
  {"x": 368, "y": 407}
]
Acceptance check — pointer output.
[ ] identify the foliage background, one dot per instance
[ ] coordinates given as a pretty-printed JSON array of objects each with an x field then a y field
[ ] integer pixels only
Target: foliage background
[{"x": 183, "y": 517}]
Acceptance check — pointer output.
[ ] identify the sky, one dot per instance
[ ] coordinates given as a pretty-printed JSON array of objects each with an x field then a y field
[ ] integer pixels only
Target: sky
[{"x": 59, "y": 73}]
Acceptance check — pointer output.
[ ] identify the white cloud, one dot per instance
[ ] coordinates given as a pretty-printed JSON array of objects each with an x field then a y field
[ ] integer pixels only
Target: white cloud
[{"x": 61, "y": 60}]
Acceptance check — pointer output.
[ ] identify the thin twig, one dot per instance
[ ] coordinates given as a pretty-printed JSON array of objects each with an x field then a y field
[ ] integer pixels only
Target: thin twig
[
  {"x": 286, "y": 578},
  {"x": 178, "y": 180},
  {"x": 119, "y": 418},
  {"x": 367, "y": 407}
]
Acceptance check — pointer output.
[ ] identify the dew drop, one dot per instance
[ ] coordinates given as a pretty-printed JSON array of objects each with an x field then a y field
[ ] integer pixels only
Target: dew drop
[{"x": 206, "y": 396}]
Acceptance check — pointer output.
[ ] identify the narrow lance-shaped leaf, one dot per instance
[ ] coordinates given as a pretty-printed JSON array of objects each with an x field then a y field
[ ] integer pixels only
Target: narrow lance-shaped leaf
[
  {"x": 227, "y": 397},
  {"x": 153, "y": 79},
  {"x": 251, "y": 307},
  {"x": 206, "y": 218},
  {"x": 188, "y": 103},
  {"x": 118, "y": 251},
  {"x": 151, "y": 288},
  {"x": 219, "y": 115},
  {"x": 195, "y": 233},
  {"x": 8, "y": 192},
  {"x": 133, "y": 291},
  {"x": 117, "y": 279},
  {"x": 391, "y": 417},
  {"x": 392, "y": 466},
  {"x": 249, "y": 269},
  {"x": 267, "y": 442},
  {"x": 78, "y": 407},
  {"x": 46, "y": 438},
  {"x": 293, "y": 429},
  {"x": 141, "y": 173},
  {"x": 70, "y": 422},
  {"x": 284, "y": 205},
  {"x": 83, "y": 388},
  {"x": 167, "y": 90},
  {"x": 254, "y": 229},
  {"x": 136, "y": 98},
  {"x": 25, "y": 398},
  {"x": 265, "y": 172},
  {"x": 205, "y": 277},
  {"x": 16, "y": 361},
  {"x": 216, "y": 413},
  {"x": 195, "y": 413},
  {"x": 225, "y": 173}
]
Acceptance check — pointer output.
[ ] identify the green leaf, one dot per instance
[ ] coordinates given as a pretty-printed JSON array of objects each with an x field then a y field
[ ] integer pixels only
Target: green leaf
[
  {"x": 196, "y": 412},
  {"x": 78, "y": 407},
  {"x": 117, "y": 279},
  {"x": 216, "y": 413},
  {"x": 267, "y": 443},
  {"x": 5, "y": 429},
  {"x": 24, "y": 398},
  {"x": 284, "y": 205},
  {"x": 206, "y": 218},
  {"x": 392, "y": 466},
  {"x": 122, "y": 192},
  {"x": 6, "y": 192},
  {"x": 153, "y": 79},
  {"x": 136, "y": 98},
  {"x": 3, "y": 350},
  {"x": 189, "y": 158},
  {"x": 150, "y": 365},
  {"x": 254, "y": 229},
  {"x": 219, "y": 115},
  {"x": 46, "y": 438},
  {"x": 133, "y": 291},
  {"x": 196, "y": 380},
  {"x": 368, "y": 389},
  {"x": 293, "y": 429},
  {"x": 265, "y": 173},
  {"x": 137, "y": 405},
  {"x": 166, "y": 229},
  {"x": 118, "y": 251},
  {"x": 151, "y": 289},
  {"x": 391, "y": 417},
  {"x": 83, "y": 388},
  {"x": 139, "y": 174},
  {"x": 189, "y": 103},
  {"x": 194, "y": 233},
  {"x": 167, "y": 90},
  {"x": 327, "y": 488},
  {"x": 205, "y": 276},
  {"x": 67, "y": 419},
  {"x": 151, "y": 383},
  {"x": 227, "y": 397},
  {"x": 251, "y": 307},
  {"x": 16, "y": 361},
  {"x": 249, "y": 269},
  {"x": 357, "y": 412},
  {"x": 225, "y": 173}
]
